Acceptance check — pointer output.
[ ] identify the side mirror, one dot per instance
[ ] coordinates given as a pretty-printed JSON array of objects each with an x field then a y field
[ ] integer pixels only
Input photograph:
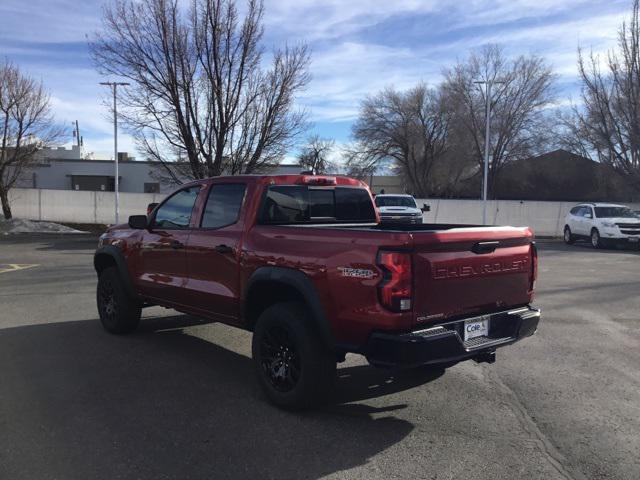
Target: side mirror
[
  {"x": 151, "y": 207},
  {"x": 426, "y": 208},
  {"x": 588, "y": 215},
  {"x": 138, "y": 222}
]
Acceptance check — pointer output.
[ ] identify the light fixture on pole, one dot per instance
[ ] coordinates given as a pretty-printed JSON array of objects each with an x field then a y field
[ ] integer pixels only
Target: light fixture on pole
[
  {"x": 485, "y": 176},
  {"x": 114, "y": 86}
]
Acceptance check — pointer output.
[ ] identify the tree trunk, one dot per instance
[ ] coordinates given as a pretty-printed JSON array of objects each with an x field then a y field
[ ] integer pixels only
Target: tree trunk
[{"x": 6, "y": 208}]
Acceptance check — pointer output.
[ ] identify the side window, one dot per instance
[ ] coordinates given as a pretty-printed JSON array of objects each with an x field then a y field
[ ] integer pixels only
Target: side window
[
  {"x": 575, "y": 210},
  {"x": 587, "y": 211},
  {"x": 175, "y": 213},
  {"x": 223, "y": 205}
]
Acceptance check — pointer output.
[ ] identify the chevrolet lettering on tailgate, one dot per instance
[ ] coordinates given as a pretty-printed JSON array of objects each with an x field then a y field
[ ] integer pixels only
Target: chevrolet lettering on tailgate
[{"x": 472, "y": 270}]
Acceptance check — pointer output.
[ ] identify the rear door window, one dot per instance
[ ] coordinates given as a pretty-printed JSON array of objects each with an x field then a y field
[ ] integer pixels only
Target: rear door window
[{"x": 223, "y": 205}]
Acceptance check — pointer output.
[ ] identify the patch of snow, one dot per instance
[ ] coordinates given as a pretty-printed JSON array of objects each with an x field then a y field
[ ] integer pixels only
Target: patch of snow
[{"x": 16, "y": 225}]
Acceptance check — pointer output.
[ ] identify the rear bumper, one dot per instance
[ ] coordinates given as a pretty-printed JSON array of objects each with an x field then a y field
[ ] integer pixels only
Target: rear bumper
[{"x": 444, "y": 343}]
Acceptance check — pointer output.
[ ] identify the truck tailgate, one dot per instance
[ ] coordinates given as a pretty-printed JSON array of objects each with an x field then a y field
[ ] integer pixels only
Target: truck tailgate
[{"x": 467, "y": 271}]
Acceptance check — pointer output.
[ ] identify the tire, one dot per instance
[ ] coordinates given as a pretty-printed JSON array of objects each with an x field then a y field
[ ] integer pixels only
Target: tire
[
  {"x": 568, "y": 236},
  {"x": 596, "y": 241},
  {"x": 119, "y": 313},
  {"x": 295, "y": 368}
]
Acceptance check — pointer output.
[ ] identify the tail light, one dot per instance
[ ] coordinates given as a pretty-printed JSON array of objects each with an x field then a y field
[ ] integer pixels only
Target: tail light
[
  {"x": 534, "y": 265},
  {"x": 395, "y": 289},
  {"x": 318, "y": 180}
]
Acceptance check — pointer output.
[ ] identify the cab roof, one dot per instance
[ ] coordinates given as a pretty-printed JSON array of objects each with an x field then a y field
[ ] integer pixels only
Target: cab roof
[{"x": 320, "y": 180}]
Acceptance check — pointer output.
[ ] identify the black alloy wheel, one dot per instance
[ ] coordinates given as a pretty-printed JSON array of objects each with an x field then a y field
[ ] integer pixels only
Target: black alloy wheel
[
  {"x": 107, "y": 303},
  {"x": 295, "y": 367},
  {"x": 119, "y": 312},
  {"x": 280, "y": 359}
]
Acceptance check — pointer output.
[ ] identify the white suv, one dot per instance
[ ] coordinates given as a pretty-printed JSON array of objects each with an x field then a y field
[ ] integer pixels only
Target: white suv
[{"x": 602, "y": 224}]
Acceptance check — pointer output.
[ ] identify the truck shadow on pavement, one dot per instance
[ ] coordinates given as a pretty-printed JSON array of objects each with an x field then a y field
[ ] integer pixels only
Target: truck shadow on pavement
[{"x": 76, "y": 402}]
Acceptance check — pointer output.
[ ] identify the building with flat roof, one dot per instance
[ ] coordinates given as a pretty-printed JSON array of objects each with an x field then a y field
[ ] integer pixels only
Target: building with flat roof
[{"x": 69, "y": 169}]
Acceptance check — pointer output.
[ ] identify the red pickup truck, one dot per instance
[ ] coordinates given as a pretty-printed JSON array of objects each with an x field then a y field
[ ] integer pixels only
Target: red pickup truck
[{"x": 303, "y": 262}]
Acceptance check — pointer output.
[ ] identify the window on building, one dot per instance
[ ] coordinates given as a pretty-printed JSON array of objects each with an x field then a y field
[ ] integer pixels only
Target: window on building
[
  {"x": 151, "y": 187},
  {"x": 93, "y": 183},
  {"x": 223, "y": 205},
  {"x": 175, "y": 213}
]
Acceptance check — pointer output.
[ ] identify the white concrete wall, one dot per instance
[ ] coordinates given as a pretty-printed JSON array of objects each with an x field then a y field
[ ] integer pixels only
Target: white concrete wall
[
  {"x": 546, "y": 218},
  {"x": 77, "y": 206}
]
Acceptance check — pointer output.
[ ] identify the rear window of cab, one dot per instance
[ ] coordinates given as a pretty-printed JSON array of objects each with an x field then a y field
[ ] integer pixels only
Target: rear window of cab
[{"x": 299, "y": 204}]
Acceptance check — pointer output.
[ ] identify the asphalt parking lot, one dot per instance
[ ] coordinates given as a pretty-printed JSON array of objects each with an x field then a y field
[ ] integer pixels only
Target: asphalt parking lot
[{"x": 177, "y": 399}]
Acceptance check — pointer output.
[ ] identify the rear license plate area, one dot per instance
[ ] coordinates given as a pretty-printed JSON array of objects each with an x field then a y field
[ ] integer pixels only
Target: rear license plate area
[{"x": 477, "y": 327}]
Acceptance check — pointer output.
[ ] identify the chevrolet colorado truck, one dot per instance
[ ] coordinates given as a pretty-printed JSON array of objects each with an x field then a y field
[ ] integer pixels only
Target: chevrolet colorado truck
[{"x": 304, "y": 263}]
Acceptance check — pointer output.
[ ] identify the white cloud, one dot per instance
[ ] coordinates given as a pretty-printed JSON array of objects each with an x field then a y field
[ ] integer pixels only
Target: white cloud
[
  {"x": 493, "y": 12},
  {"x": 355, "y": 50},
  {"x": 315, "y": 20},
  {"x": 48, "y": 21},
  {"x": 77, "y": 95},
  {"x": 346, "y": 73}
]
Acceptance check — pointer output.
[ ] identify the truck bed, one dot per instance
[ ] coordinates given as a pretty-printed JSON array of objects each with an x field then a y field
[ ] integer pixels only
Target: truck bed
[
  {"x": 389, "y": 227},
  {"x": 458, "y": 270}
]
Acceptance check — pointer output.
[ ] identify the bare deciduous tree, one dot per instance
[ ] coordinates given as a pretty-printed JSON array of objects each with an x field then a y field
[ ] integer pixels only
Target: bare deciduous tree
[
  {"x": 199, "y": 88},
  {"x": 173, "y": 173},
  {"x": 408, "y": 129},
  {"x": 315, "y": 155},
  {"x": 26, "y": 125},
  {"x": 607, "y": 125},
  {"x": 520, "y": 124},
  {"x": 457, "y": 164},
  {"x": 361, "y": 165}
]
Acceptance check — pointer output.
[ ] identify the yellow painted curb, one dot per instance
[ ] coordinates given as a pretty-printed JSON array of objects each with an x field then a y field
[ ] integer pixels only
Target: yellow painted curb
[{"x": 14, "y": 267}]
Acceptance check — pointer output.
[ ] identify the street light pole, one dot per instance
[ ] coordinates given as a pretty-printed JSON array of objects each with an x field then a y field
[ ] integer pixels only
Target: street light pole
[
  {"x": 114, "y": 86},
  {"x": 485, "y": 177}
]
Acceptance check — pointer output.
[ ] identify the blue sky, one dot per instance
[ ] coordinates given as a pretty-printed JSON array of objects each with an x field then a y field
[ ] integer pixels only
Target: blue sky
[{"x": 359, "y": 47}]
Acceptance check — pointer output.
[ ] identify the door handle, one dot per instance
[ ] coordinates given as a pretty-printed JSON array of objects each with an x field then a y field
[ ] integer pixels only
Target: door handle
[
  {"x": 223, "y": 248},
  {"x": 175, "y": 244}
]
